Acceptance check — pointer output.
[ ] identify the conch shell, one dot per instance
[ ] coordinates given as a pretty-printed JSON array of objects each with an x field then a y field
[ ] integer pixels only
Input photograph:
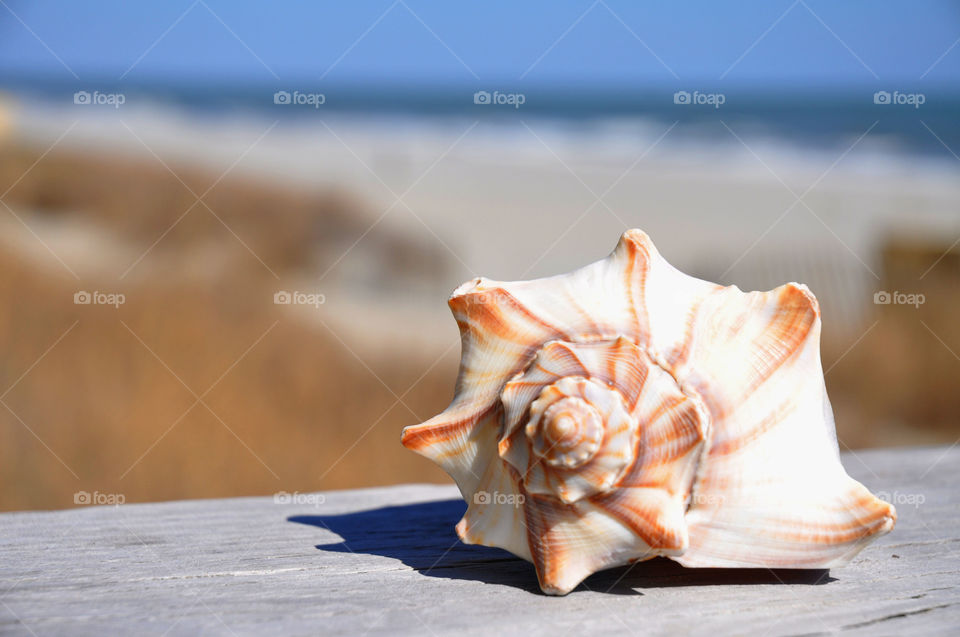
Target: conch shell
[{"x": 627, "y": 410}]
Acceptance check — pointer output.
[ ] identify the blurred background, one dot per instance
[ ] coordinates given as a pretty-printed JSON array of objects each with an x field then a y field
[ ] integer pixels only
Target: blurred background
[{"x": 229, "y": 229}]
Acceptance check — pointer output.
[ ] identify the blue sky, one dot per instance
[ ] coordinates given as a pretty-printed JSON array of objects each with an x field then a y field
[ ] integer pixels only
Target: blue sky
[{"x": 757, "y": 43}]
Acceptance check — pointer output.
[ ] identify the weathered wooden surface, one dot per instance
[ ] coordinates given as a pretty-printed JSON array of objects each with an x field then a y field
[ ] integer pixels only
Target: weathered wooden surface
[{"x": 386, "y": 561}]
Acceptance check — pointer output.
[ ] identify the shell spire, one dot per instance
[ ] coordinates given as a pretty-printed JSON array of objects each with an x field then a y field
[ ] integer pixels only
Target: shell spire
[{"x": 626, "y": 410}]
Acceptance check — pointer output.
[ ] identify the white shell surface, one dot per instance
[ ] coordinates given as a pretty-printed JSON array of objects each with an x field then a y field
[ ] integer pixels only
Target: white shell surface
[{"x": 725, "y": 455}]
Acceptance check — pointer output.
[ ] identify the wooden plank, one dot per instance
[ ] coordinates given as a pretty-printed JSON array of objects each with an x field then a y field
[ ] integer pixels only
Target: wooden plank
[{"x": 386, "y": 561}]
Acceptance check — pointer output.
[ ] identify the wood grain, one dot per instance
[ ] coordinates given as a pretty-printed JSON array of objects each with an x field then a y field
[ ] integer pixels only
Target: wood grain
[{"x": 386, "y": 561}]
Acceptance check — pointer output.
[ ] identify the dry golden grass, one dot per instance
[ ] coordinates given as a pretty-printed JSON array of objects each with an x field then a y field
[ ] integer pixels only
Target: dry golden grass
[
  {"x": 899, "y": 385},
  {"x": 280, "y": 419},
  {"x": 287, "y": 416}
]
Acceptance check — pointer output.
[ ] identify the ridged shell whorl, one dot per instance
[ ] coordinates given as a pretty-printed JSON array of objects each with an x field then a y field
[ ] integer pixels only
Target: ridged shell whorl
[{"x": 627, "y": 410}]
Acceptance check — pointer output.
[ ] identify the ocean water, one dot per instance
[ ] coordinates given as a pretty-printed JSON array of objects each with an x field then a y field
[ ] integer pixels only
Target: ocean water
[{"x": 899, "y": 120}]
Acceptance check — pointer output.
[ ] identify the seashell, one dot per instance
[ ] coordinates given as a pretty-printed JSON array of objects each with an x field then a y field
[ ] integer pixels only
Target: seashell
[{"x": 626, "y": 410}]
